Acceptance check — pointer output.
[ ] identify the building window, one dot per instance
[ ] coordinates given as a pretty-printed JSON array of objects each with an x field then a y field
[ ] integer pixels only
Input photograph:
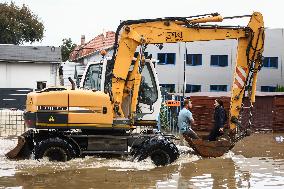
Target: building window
[
  {"x": 219, "y": 60},
  {"x": 194, "y": 59},
  {"x": 218, "y": 88},
  {"x": 270, "y": 62},
  {"x": 268, "y": 89},
  {"x": 167, "y": 58},
  {"x": 170, "y": 88},
  {"x": 193, "y": 88}
]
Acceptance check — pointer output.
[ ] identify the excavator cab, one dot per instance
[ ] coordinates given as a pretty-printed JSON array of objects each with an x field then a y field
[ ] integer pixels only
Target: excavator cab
[{"x": 149, "y": 97}]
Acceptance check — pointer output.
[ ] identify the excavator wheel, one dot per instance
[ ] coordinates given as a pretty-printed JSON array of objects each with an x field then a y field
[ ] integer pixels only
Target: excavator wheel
[
  {"x": 55, "y": 149},
  {"x": 159, "y": 149},
  {"x": 135, "y": 151}
]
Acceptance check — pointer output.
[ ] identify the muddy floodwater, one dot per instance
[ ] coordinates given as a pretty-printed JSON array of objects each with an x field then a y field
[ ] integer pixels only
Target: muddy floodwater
[{"x": 255, "y": 162}]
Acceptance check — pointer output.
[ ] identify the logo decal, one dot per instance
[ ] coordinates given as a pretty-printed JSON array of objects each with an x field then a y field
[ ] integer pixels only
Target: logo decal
[
  {"x": 51, "y": 119},
  {"x": 174, "y": 36}
]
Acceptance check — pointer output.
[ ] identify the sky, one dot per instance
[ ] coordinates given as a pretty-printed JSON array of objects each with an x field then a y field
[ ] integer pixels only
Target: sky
[{"x": 73, "y": 18}]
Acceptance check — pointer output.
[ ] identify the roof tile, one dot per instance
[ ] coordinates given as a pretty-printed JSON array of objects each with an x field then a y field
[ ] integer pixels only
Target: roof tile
[{"x": 98, "y": 43}]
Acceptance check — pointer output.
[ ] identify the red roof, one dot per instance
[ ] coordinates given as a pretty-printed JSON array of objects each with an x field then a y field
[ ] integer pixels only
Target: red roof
[{"x": 98, "y": 43}]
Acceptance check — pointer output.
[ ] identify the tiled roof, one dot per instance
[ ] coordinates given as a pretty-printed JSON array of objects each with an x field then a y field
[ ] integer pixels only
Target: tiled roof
[
  {"x": 35, "y": 54},
  {"x": 98, "y": 43}
]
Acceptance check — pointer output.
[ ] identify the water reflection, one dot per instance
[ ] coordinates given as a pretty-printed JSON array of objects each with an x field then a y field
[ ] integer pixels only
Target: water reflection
[
  {"x": 90, "y": 178},
  {"x": 235, "y": 172},
  {"x": 208, "y": 173}
]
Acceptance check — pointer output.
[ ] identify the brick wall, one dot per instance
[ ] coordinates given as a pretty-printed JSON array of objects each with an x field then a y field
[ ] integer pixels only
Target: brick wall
[
  {"x": 278, "y": 114},
  {"x": 268, "y": 112}
]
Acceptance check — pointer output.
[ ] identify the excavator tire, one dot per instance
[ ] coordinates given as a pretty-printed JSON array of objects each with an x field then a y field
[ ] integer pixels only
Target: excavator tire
[
  {"x": 161, "y": 151},
  {"x": 55, "y": 149}
]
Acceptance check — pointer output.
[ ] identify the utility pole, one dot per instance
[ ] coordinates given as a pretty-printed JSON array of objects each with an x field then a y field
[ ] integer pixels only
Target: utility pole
[{"x": 184, "y": 72}]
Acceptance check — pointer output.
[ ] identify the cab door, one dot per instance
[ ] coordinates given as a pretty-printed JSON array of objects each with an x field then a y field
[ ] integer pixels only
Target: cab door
[
  {"x": 94, "y": 76},
  {"x": 149, "y": 102}
]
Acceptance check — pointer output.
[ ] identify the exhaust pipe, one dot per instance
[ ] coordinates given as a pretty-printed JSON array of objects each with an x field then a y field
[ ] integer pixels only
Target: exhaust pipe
[{"x": 72, "y": 83}]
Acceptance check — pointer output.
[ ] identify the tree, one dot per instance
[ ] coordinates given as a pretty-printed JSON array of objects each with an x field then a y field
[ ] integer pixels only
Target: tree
[
  {"x": 67, "y": 47},
  {"x": 19, "y": 25}
]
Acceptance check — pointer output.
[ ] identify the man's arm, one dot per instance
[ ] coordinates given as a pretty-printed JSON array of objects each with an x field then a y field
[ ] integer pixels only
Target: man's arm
[
  {"x": 192, "y": 121},
  {"x": 190, "y": 117}
]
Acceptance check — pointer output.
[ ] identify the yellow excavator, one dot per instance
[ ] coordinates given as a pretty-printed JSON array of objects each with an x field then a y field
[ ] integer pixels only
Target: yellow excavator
[{"x": 120, "y": 94}]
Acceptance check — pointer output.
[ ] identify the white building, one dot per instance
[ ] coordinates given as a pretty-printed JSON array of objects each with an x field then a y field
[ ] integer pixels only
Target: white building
[
  {"x": 24, "y": 68},
  {"x": 211, "y": 64}
]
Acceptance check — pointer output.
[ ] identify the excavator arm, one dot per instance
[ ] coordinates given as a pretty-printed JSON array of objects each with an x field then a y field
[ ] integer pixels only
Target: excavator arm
[
  {"x": 249, "y": 62},
  {"x": 173, "y": 30}
]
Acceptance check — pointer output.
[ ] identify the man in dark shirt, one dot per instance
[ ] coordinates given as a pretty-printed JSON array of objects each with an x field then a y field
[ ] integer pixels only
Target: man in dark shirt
[{"x": 219, "y": 120}]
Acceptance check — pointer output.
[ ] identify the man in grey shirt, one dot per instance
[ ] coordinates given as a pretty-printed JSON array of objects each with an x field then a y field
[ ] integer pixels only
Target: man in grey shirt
[{"x": 185, "y": 119}]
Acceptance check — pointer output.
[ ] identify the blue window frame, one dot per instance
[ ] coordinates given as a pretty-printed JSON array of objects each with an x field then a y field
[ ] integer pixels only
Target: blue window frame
[
  {"x": 218, "y": 88},
  {"x": 170, "y": 88},
  {"x": 166, "y": 58},
  {"x": 270, "y": 62},
  {"x": 192, "y": 88},
  {"x": 194, "y": 59},
  {"x": 219, "y": 60},
  {"x": 268, "y": 89}
]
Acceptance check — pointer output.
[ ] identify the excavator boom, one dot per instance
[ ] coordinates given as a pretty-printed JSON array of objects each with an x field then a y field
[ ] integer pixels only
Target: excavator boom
[{"x": 173, "y": 30}]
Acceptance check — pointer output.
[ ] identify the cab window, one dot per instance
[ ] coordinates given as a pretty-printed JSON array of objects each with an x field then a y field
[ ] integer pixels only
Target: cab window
[
  {"x": 93, "y": 77},
  {"x": 148, "y": 88}
]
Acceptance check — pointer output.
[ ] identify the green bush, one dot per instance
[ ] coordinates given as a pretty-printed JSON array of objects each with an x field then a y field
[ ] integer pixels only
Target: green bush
[
  {"x": 165, "y": 124},
  {"x": 279, "y": 88}
]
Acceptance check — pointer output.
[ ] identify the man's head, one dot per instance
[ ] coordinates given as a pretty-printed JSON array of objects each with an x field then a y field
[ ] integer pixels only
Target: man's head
[{"x": 187, "y": 104}]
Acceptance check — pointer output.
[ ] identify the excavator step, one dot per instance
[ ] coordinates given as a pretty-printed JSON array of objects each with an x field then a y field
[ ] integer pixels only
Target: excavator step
[{"x": 105, "y": 152}]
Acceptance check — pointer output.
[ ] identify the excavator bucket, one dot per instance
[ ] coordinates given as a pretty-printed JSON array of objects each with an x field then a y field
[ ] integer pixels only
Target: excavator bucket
[
  {"x": 209, "y": 148},
  {"x": 24, "y": 147},
  {"x": 14, "y": 153}
]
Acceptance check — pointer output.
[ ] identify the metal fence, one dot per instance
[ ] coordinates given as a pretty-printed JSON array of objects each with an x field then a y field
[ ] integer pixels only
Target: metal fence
[
  {"x": 11, "y": 122},
  {"x": 168, "y": 119}
]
